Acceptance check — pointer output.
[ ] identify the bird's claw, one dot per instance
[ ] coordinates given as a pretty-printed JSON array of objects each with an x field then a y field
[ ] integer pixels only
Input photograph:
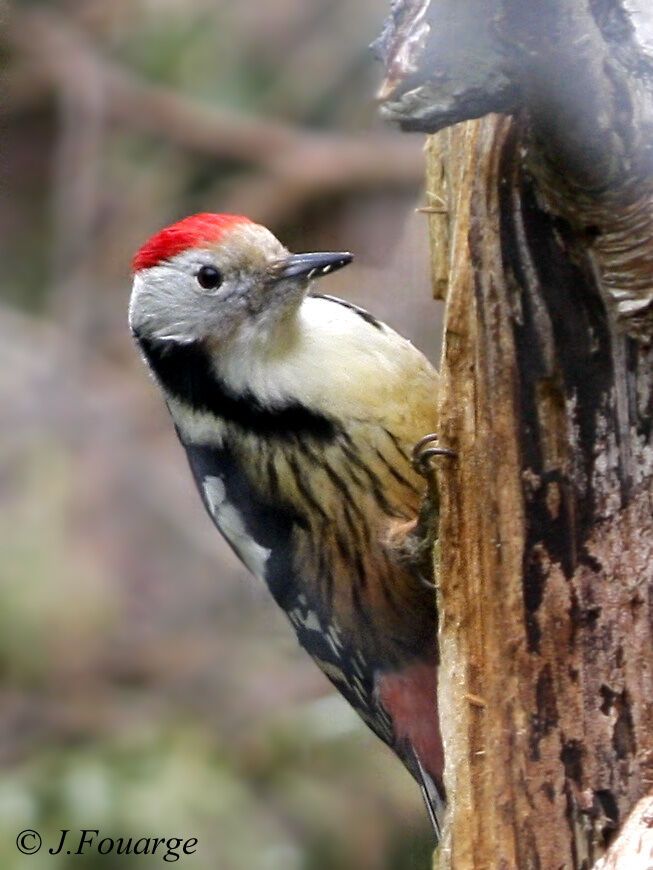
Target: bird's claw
[{"x": 422, "y": 453}]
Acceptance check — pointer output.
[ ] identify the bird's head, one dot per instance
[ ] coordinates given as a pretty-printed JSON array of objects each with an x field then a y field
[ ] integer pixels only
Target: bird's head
[{"x": 218, "y": 276}]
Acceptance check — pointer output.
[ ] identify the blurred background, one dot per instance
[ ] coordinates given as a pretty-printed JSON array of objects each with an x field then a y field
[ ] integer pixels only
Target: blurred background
[{"x": 149, "y": 687}]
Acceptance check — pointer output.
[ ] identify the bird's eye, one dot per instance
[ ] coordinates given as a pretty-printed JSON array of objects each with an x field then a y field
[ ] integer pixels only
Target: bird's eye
[{"x": 209, "y": 277}]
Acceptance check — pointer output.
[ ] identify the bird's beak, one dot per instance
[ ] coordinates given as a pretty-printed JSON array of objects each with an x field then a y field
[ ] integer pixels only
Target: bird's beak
[{"x": 310, "y": 265}]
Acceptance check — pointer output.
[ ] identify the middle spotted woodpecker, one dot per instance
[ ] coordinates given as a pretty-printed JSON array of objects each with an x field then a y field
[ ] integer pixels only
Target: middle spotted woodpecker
[{"x": 298, "y": 413}]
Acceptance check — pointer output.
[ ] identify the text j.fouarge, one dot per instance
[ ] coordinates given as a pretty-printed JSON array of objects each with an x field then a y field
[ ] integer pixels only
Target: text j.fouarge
[{"x": 88, "y": 840}]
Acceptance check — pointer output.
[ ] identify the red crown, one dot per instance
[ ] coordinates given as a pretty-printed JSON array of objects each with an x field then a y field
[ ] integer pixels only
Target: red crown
[{"x": 187, "y": 233}]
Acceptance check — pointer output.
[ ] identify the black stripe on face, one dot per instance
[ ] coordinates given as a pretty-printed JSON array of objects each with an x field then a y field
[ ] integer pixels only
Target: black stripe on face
[{"x": 185, "y": 373}]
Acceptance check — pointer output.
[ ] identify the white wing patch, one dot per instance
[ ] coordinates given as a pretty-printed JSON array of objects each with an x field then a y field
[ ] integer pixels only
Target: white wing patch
[
  {"x": 306, "y": 619},
  {"x": 230, "y": 523}
]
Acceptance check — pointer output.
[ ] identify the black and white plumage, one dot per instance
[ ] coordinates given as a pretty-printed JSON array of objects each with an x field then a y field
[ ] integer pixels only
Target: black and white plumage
[{"x": 298, "y": 414}]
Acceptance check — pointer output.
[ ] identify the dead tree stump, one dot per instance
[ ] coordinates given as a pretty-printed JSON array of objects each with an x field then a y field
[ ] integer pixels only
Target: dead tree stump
[{"x": 546, "y": 530}]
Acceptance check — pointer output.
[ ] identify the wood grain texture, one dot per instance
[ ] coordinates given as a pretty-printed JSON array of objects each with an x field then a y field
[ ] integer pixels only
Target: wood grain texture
[
  {"x": 546, "y": 531},
  {"x": 437, "y": 209}
]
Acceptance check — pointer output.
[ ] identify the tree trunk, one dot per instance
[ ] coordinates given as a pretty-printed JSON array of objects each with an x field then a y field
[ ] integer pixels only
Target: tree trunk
[{"x": 546, "y": 529}]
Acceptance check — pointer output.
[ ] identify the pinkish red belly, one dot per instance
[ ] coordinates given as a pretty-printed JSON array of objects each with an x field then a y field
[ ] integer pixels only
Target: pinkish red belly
[{"x": 410, "y": 697}]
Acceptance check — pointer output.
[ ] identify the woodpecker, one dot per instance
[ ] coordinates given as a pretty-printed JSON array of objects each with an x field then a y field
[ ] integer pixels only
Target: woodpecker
[{"x": 298, "y": 413}]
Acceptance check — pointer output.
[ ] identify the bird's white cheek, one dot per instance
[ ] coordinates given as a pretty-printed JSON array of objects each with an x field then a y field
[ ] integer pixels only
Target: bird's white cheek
[
  {"x": 163, "y": 306},
  {"x": 232, "y": 527}
]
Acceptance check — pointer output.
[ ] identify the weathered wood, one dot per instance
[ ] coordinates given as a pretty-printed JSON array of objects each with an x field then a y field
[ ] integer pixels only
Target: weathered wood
[
  {"x": 437, "y": 209},
  {"x": 546, "y": 530},
  {"x": 546, "y": 533},
  {"x": 580, "y": 75}
]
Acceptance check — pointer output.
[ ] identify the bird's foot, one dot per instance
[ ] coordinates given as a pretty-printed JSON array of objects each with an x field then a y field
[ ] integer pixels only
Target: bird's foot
[
  {"x": 415, "y": 543},
  {"x": 423, "y": 535},
  {"x": 425, "y": 449}
]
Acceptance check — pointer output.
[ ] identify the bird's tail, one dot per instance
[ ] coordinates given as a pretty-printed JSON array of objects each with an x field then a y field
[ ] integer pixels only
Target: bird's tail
[{"x": 434, "y": 798}]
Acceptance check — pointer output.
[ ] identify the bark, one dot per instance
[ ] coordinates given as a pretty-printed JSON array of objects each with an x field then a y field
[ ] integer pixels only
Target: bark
[
  {"x": 546, "y": 528},
  {"x": 546, "y": 532},
  {"x": 580, "y": 75}
]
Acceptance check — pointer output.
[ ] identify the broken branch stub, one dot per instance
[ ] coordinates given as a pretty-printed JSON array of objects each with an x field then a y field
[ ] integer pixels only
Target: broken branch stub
[{"x": 580, "y": 76}]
